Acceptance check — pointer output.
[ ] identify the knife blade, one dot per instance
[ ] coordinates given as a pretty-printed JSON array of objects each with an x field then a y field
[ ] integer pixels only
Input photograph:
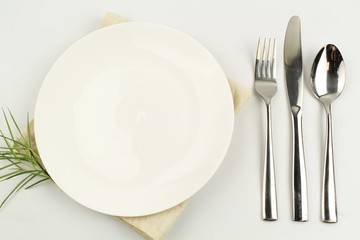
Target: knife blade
[{"x": 294, "y": 81}]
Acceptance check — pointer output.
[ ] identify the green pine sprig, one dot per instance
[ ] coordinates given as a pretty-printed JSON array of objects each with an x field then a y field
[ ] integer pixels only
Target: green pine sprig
[{"x": 22, "y": 162}]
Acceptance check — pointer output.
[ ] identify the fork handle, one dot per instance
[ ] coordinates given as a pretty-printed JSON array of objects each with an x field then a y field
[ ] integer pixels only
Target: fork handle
[
  {"x": 269, "y": 210},
  {"x": 299, "y": 183}
]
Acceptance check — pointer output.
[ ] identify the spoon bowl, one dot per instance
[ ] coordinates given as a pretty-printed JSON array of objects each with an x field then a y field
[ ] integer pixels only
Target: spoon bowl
[
  {"x": 328, "y": 81},
  {"x": 328, "y": 74}
]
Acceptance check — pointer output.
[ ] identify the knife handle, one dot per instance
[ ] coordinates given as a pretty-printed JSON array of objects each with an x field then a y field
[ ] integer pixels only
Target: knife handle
[{"x": 299, "y": 183}]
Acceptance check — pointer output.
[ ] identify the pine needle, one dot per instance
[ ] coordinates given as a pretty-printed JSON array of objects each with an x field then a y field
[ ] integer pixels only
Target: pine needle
[{"x": 18, "y": 152}]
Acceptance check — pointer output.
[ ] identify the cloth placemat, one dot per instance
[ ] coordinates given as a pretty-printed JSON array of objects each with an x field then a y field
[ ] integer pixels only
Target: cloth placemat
[{"x": 156, "y": 226}]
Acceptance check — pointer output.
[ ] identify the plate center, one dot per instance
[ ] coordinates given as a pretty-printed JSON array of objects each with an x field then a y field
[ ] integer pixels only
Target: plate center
[{"x": 148, "y": 114}]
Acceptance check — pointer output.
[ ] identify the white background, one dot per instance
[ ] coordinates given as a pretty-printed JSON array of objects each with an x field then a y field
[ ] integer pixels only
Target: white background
[{"x": 34, "y": 33}]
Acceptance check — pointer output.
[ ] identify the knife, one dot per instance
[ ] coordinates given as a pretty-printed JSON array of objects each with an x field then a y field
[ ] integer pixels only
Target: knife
[{"x": 294, "y": 81}]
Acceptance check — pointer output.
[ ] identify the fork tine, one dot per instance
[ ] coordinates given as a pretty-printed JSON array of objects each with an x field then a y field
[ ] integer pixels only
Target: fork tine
[
  {"x": 268, "y": 73},
  {"x": 273, "y": 61},
  {"x": 258, "y": 50},
  {"x": 257, "y": 66},
  {"x": 263, "y": 72}
]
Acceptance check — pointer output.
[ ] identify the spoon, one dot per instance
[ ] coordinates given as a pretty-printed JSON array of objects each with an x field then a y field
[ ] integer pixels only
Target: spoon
[{"x": 328, "y": 81}]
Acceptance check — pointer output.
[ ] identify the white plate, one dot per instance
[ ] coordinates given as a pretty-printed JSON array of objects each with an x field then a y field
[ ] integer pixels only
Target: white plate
[{"x": 133, "y": 119}]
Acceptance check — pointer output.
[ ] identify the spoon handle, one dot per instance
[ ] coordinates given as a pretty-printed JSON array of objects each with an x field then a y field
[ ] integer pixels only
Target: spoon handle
[
  {"x": 328, "y": 196},
  {"x": 299, "y": 183},
  {"x": 269, "y": 209}
]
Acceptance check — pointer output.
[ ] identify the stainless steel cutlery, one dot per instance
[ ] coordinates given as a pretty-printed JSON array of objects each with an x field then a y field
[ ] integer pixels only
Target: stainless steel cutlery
[
  {"x": 266, "y": 87},
  {"x": 294, "y": 81},
  {"x": 327, "y": 81}
]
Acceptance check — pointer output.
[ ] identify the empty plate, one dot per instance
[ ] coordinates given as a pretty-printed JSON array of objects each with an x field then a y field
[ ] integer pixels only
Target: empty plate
[{"x": 133, "y": 119}]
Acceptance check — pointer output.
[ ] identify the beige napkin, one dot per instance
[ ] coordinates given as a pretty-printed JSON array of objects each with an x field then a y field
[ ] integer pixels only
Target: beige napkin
[{"x": 156, "y": 226}]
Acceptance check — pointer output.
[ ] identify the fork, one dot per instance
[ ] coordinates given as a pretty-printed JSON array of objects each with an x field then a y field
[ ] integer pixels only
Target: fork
[{"x": 266, "y": 87}]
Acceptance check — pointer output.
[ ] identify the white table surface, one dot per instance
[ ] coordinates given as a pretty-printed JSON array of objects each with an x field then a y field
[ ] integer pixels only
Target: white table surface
[{"x": 34, "y": 33}]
